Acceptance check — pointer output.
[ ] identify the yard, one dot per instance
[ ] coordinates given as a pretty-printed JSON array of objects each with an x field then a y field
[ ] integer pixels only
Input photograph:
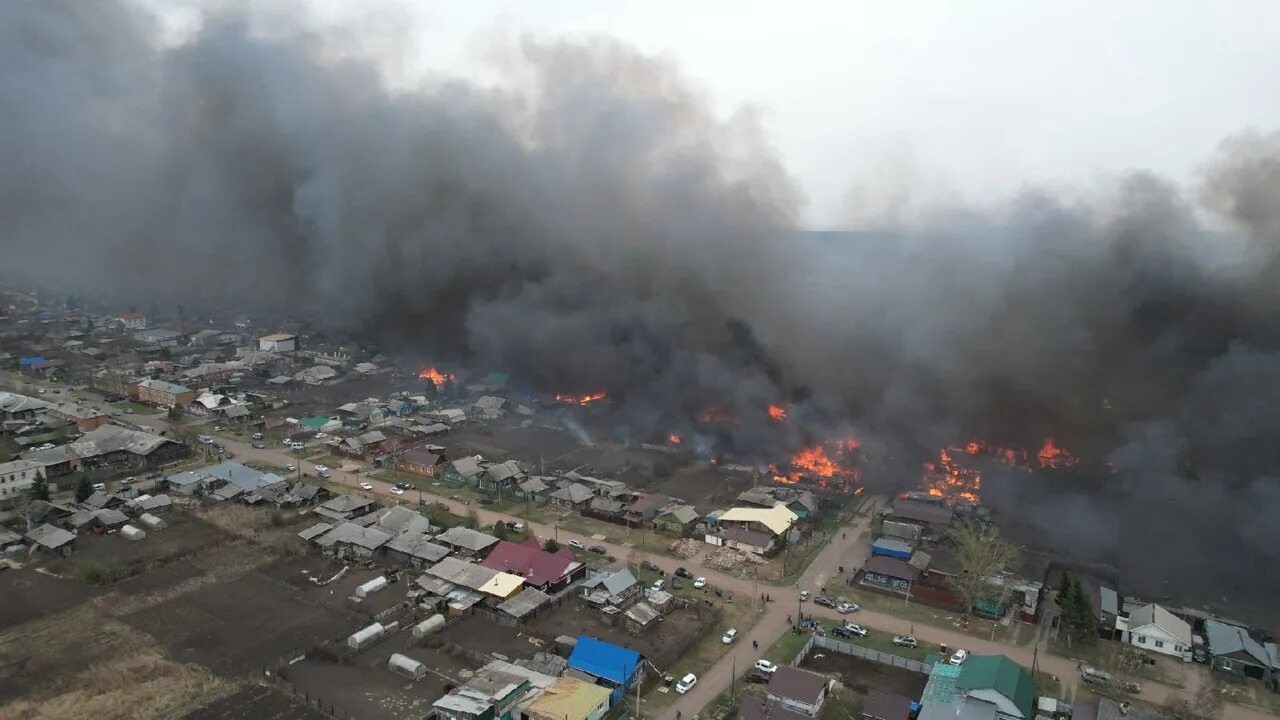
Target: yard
[{"x": 930, "y": 615}]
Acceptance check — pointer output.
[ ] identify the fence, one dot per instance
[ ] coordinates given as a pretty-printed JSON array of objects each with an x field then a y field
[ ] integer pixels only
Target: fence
[{"x": 858, "y": 651}]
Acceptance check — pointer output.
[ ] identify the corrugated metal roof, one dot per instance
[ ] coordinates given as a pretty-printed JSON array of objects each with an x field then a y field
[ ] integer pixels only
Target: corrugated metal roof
[
  {"x": 568, "y": 699},
  {"x": 603, "y": 660}
]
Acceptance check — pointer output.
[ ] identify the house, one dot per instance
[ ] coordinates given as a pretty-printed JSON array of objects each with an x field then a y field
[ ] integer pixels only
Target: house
[
  {"x": 798, "y": 690},
  {"x": 645, "y": 507},
  {"x": 477, "y": 578},
  {"x": 16, "y": 478},
  {"x": 751, "y": 541},
  {"x": 881, "y": 705},
  {"x": 776, "y": 520},
  {"x": 352, "y": 541},
  {"x": 641, "y": 618},
  {"x": 929, "y": 516},
  {"x": 420, "y": 461},
  {"x": 52, "y": 539},
  {"x": 463, "y": 471},
  {"x": 42, "y": 511},
  {"x": 363, "y": 444},
  {"x": 158, "y": 337},
  {"x": 999, "y": 681},
  {"x": 153, "y": 504},
  {"x": 605, "y": 508},
  {"x": 133, "y": 321},
  {"x": 549, "y": 572},
  {"x": 573, "y": 495},
  {"x": 165, "y": 394},
  {"x": 1234, "y": 651},
  {"x": 466, "y": 542},
  {"x": 1151, "y": 627},
  {"x": 109, "y": 446},
  {"x": 534, "y": 488},
  {"x": 489, "y": 693},
  {"x": 501, "y": 477},
  {"x": 761, "y": 709},
  {"x": 317, "y": 375},
  {"x": 616, "y": 588},
  {"x": 397, "y": 520},
  {"x": 101, "y": 499},
  {"x": 487, "y": 408},
  {"x": 278, "y": 342},
  {"x": 606, "y": 664},
  {"x": 314, "y": 532},
  {"x": 344, "y": 507},
  {"x": 889, "y": 573},
  {"x": 525, "y": 604},
  {"x": 242, "y": 476},
  {"x": 414, "y": 550},
  {"x": 680, "y": 519},
  {"x": 570, "y": 699}
]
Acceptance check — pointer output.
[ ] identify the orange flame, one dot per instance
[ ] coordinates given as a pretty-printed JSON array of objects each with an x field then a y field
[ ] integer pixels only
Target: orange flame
[
  {"x": 436, "y": 377},
  {"x": 582, "y": 400},
  {"x": 674, "y": 439},
  {"x": 827, "y": 465},
  {"x": 717, "y": 414},
  {"x": 948, "y": 479},
  {"x": 1052, "y": 456},
  {"x": 777, "y": 413}
]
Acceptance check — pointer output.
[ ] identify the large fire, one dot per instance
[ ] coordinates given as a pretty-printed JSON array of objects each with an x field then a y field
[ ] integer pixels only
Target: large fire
[
  {"x": 583, "y": 400},
  {"x": 948, "y": 478},
  {"x": 829, "y": 465},
  {"x": 777, "y": 413},
  {"x": 436, "y": 377}
]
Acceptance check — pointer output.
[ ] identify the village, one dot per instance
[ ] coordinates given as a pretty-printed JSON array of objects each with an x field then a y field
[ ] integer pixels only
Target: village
[{"x": 242, "y": 518}]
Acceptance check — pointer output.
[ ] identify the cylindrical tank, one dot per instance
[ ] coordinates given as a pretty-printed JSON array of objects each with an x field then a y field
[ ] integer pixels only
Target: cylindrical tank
[
  {"x": 407, "y": 666},
  {"x": 365, "y": 637},
  {"x": 131, "y": 532},
  {"x": 428, "y": 626},
  {"x": 371, "y": 587}
]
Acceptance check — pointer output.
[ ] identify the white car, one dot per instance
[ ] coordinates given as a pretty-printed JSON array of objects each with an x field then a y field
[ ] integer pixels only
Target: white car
[
  {"x": 804, "y": 595},
  {"x": 577, "y": 544},
  {"x": 765, "y": 666},
  {"x": 686, "y": 683},
  {"x": 700, "y": 583},
  {"x": 205, "y": 439},
  {"x": 320, "y": 436},
  {"x": 322, "y": 468},
  {"x": 657, "y": 584},
  {"x": 845, "y": 608},
  {"x": 959, "y": 657},
  {"x": 729, "y": 636},
  {"x": 396, "y": 491},
  {"x": 99, "y": 486},
  {"x": 366, "y": 486},
  {"x": 290, "y": 467}
]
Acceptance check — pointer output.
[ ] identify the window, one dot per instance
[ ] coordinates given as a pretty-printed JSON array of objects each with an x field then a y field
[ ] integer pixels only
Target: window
[
  {"x": 1142, "y": 639},
  {"x": 1226, "y": 664},
  {"x": 1159, "y": 643}
]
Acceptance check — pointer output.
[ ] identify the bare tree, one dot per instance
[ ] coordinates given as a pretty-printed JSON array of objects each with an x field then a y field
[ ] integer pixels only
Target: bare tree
[{"x": 982, "y": 555}]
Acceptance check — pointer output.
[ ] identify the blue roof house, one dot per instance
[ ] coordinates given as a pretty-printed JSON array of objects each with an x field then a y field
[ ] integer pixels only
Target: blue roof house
[{"x": 610, "y": 665}]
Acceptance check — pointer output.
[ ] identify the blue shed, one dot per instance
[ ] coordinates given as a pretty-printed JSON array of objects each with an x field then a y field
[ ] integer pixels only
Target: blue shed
[
  {"x": 613, "y": 666},
  {"x": 890, "y": 547}
]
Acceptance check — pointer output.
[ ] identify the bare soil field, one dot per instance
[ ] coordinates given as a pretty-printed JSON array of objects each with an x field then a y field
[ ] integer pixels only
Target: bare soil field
[
  {"x": 337, "y": 594},
  {"x": 483, "y": 636},
  {"x": 365, "y": 688},
  {"x": 662, "y": 643},
  {"x": 28, "y": 593},
  {"x": 257, "y": 702},
  {"x": 858, "y": 675}
]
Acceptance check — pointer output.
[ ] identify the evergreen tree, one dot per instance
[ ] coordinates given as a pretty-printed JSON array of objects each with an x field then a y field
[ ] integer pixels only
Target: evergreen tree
[
  {"x": 40, "y": 489},
  {"x": 83, "y": 488},
  {"x": 551, "y": 545}
]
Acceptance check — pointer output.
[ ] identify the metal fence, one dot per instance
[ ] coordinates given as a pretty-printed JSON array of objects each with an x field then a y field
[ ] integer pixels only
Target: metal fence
[{"x": 884, "y": 658}]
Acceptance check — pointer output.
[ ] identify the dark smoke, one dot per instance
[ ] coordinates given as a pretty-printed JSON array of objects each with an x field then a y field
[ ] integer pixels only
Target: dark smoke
[{"x": 593, "y": 226}]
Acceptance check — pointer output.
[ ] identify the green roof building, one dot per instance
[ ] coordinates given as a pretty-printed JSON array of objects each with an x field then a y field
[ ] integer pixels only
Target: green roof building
[{"x": 987, "y": 687}]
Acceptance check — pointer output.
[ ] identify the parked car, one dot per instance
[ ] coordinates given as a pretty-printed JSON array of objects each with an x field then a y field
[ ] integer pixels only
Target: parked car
[
  {"x": 700, "y": 583},
  {"x": 686, "y": 683},
  {"x": 404, "y": 486},
  {"x": 959, "y": 657},
  {"x": 366, "y": 486},
  {"x": 676, "y": 584},
  {"x": 804, "y": 595},
  {"x": 681, "y": 572},
  {"x": 99, "y": 486},
  {"x": 847, "y": 607},
  {"x": 766, "y": 666},
  {"x": 290, "y": 467},
  {"x": 321, "y": 436},
  {"x": 906, "y": 641},
  {"x": 853, "y": 629},
  {"x": 756, "y": 677},
  {"x": 259, "y": 446},
  {"x": 599, "y": 549},
  {"x": 577, "y": 544},
  {"x": 396, "y": 491},
  {"x": 516, "y": 526},
  {"x": 257, "y": 436},
  {"x": 321, "y": 468},
  {"x": 824, "y": 601},
  {"x": 204, "y": 439},
  {"x": 729, "y": 636},
  {"x": 219, "y": 448},
  {"x": 230, "y": 454},
  {"x": 1093, "y": 675},
  {"x": 647, "y": 565},
  {"x": 657, "y": 584}
]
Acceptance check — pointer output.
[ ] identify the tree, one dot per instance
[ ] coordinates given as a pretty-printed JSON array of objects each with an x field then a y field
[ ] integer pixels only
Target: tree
[
  {"x": 500, "y": 530},
  {"x": 83, "y": 488},
  {"x": 40, "y": 489},
  {"x": 1077, "y": 614},
  {"x": 472, "y": 520},
  {"x": 551, "y": 545},
  {"x": 982, "y": 554}
]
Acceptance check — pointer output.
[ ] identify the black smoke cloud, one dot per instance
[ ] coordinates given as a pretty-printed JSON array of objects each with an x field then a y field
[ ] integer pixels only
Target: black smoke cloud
[{"x": 591, "y": 225}]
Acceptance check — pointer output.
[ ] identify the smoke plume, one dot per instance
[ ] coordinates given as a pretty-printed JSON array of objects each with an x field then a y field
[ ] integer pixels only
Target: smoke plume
[{"x": 592, "y": 226}]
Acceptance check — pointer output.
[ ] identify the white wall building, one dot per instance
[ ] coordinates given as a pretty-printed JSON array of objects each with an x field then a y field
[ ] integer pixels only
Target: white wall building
[
  {"x": 1151, "y": 627},
  {"x": 16, "y": 478},
  {"x": 280, "y": 342}
]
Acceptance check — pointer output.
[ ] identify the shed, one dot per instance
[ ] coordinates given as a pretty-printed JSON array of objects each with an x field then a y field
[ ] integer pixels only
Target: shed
[{"x": 890, "y": 547}]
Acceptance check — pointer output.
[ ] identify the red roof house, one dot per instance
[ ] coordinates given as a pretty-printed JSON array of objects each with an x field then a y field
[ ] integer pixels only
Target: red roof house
[{"x": 546, "y": 571}]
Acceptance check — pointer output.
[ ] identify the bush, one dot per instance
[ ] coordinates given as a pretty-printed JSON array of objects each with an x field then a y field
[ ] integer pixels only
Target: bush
[{"x": 102, "y": 572}]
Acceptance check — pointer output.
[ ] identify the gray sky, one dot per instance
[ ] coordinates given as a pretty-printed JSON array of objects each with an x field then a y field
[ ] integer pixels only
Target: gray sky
[{"x": 876, "y": 107}]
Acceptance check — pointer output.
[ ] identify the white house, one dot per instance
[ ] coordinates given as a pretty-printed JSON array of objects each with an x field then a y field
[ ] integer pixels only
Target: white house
[
  {"x": 16, "y": 478},
  {"x": 279, "y": 342},
  {"x": 133, "y": 321},
  {"x": 1153, "y": 628}
]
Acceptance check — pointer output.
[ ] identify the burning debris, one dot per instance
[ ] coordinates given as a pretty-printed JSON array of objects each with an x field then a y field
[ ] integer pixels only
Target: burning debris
[
  {"x": 1052, "y": 456},
  {"x": 674, "y": 439},
  {"x": 948, "y": 478},
  {"x": 830, "y": 465},
  {"x": 717, "y": 415},
  {"x": 777, "y": 413},
  {"x": 581, "y": 400},
  {"x": 436, "y": 377}
]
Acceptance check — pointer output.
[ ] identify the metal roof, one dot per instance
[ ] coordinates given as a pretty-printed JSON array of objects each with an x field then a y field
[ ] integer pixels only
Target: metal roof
[
  {"x": 1153, "y": 614},
  {"x": 49, "y": 536},
  {"x": 460, "y": 572},
  {"x": 525, "y": 602},
  {"x": 467, "y": 538},
  {"x": 796, "y": 684},
  {"x": 604, "y": 660},
  {"x": 568, "y": 699}
]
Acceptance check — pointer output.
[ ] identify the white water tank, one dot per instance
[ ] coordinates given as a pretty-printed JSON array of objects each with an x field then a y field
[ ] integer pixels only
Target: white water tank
[
  {"x": 371, "y": 587},
  {"x": 365, "y": 637},
  {"x": 131, "y": 532},
  {"x": 407, "y": 666},
  {"x": 428, "y": 626}
]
